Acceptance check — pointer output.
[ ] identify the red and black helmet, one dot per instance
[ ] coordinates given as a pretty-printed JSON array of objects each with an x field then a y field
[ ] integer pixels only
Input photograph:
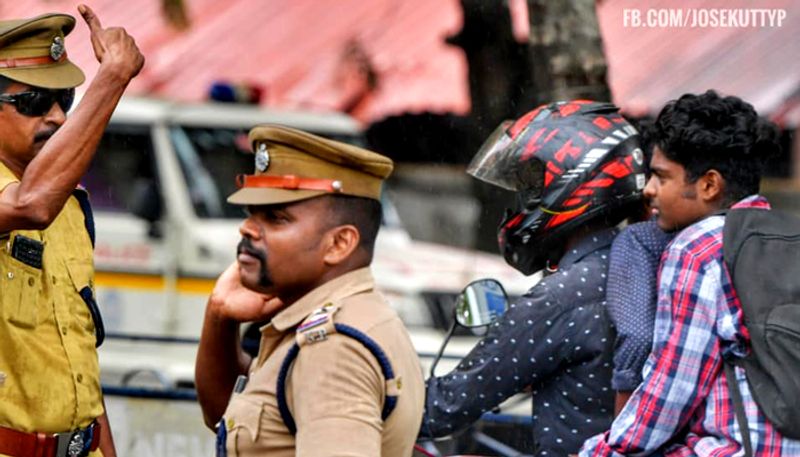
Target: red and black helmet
[{"x": 569, "y": 162}]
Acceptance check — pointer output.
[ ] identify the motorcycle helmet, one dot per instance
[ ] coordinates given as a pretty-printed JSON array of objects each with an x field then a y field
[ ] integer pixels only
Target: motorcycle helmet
[{"x": 569, "y": 163}]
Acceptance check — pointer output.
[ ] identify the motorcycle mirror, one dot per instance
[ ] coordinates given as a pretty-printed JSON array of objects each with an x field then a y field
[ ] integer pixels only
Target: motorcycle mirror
[{"x": 480, "y": 303}]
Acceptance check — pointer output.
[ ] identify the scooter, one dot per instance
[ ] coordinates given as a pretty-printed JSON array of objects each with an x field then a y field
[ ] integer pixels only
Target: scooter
[{"x": 478, "y": 305}]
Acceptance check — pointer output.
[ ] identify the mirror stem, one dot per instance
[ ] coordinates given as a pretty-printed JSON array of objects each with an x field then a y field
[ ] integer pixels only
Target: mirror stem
[{"x": 441, "y": 348}]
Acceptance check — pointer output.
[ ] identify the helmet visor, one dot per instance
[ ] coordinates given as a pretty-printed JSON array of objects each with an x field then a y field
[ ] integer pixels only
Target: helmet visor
[{"x": 501, "y": 161}]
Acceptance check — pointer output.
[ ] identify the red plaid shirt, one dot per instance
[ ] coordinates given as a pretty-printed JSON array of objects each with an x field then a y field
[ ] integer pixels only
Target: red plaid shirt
[{"x": 683, "y": 406}]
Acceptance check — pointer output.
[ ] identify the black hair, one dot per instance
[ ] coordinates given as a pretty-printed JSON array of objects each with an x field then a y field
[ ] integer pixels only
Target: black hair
[
  {"x": 708, "y": 131},
  {"x": 364, "y": 213}
]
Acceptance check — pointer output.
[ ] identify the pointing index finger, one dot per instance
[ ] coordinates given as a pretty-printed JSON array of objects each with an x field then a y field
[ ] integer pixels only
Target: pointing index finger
[{"x": 91, "y": 19}]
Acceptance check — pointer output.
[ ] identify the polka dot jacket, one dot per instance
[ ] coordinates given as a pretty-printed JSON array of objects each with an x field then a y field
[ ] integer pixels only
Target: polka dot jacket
[
  {"x": 632, "y": 287},
  {"x": 557, "y": 341}
]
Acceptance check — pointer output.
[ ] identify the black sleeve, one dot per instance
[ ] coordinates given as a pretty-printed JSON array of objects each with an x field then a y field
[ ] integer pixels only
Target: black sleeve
[{"x": 521, "y": 349}]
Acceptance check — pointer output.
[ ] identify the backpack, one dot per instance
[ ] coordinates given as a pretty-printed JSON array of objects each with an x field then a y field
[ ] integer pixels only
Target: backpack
[{"x": 761, "y": 249}]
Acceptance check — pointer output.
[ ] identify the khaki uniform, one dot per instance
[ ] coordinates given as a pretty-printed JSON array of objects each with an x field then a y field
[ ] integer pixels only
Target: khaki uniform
[
  {"x": 49, "y": 375},
  {"x": 335, "y": 389}
]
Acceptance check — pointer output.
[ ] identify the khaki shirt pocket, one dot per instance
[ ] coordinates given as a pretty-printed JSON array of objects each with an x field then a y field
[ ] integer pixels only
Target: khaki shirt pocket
[
  {"x": 243, "y": 422},
  {"x": 21, "y": 294}
]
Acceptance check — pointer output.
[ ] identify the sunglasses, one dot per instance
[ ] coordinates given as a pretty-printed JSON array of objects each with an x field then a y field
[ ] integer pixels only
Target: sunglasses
[{"x": 38, "y": 102}]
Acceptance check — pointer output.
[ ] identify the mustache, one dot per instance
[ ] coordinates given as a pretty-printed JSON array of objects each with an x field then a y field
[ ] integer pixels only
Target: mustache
[
  {"x": 44, "y": 136},
  {"x": 264, "y": 278},
  {"x": 246, "y": 246}
]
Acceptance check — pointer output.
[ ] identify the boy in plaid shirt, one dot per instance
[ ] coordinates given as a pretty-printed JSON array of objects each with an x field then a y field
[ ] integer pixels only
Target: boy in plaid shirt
[{"x": 708, "y": 157}]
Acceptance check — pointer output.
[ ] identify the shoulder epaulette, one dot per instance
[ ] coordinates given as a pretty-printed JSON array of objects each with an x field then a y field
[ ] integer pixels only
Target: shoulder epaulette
[{"x": 317, "y": 326}]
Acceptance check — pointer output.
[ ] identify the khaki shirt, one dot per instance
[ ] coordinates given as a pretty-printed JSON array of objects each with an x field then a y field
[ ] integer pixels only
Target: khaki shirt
[
  {"x": 335, "y": 389},
  {"x": 49, "y": 374}
]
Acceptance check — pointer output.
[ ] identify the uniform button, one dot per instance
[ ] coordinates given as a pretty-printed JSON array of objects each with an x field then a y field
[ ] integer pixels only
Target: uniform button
[
  {"x": 79, "y": 377},
  {"x": 31, "y": 282},
  {"x": 54, "y": 280},
  {"x": 63, "y": 330},
  {"x": 10, "y": 275}
]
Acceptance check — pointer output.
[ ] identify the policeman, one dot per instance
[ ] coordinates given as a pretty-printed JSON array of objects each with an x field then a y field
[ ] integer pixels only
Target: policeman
[
  {"x": 49, "y": 377},
  {"x": 336, "y": 373}
]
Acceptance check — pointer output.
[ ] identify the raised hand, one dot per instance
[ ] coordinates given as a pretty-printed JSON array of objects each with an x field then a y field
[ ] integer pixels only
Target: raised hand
[
  {"x": 235, "y": 302},
  {"x": 114, "y": 48}
]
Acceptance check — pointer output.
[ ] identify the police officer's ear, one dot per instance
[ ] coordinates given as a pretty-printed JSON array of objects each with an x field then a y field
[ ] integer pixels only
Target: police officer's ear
[{"x": 339, "y": 243}]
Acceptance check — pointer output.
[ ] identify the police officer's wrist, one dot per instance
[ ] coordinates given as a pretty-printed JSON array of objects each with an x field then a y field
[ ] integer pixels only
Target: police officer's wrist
[{"x": 216, "y": 312}]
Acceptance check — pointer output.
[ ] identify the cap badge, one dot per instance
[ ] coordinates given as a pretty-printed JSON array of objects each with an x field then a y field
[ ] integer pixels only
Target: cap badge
[
  {"x": 262, "y": 158},
  {"x": 57, "y": 48}
]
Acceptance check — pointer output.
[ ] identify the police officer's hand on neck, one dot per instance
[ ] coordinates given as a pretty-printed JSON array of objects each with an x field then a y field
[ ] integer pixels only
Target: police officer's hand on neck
[
  {"x": 230, "y": 300},
  {"x": 220, "y": 359}
]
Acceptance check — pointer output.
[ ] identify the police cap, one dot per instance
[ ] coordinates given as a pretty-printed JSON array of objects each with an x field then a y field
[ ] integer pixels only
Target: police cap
[
  {"x": 33, "y": 52},
  {"x": 293, "y": 165}
]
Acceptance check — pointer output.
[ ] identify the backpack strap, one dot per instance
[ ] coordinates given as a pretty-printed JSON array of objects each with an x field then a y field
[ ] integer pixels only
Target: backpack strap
[
  {"x": 738, "y": 406},
  {"x": 316, "y": 328},
  {"x": 729, "y": 364}
]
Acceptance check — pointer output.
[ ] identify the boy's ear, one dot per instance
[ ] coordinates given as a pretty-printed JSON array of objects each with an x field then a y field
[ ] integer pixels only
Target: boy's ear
[
  {"x": 711, "y": 186},
  {"x": 341, "y": 242}
]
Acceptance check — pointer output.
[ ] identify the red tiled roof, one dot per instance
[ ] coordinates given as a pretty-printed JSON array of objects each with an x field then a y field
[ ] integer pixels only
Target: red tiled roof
[
  {"x": 289, "y": 47},
  {"x": 648, "y": 67},
  {"x": 293, "y": 48}
]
